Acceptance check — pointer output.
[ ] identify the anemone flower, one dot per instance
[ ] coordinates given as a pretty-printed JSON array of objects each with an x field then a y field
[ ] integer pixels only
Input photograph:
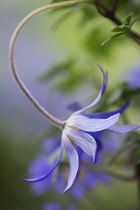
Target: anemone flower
[{"x": 79, "y": 129}]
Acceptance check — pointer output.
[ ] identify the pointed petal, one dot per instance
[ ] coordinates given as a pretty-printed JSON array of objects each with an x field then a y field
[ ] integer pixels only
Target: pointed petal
[
  {"x": 103, "y": 88},
  {"x": 104, "y": 115},
  {"x": 93, "y": 125},
  {"x": 122, "y": 128},
  {"x": 85, "y": 141},
  {"x": 73, "y": 161},
  {"x": 47, "y": 174}
]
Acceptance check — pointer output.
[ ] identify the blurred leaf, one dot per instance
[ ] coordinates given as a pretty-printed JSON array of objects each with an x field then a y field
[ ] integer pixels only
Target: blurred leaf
[
  {"x": 112, "y": 37},
  {"x": 135, "y": 20},
  {"x": 130, "y": 93},
  {"x": 135, "y": 155},
  {"x": 69, "y": 84},
  {"x": 132, "y": 139},
  {"x": 65, "y": 16},
  {"x": 55, "y": 1},
  {"x": 88, "y": 14},
  {"x": 93, "y": 40},
  {"x": 122, "y": 93},
  {"x": 55, "y": 70}
]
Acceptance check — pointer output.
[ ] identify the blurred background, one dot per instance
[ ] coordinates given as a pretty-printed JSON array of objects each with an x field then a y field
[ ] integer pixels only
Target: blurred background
[{"x": 57, "y": 55}]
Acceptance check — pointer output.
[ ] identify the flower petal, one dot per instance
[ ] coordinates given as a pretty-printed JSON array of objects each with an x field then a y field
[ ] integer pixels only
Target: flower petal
[
  {"x": 93, "y": 125},
  {"x": 85, "y": 141},
  {"x": 104, "y": 115},
  {"x": 46, "y": 175},
  {"x": 73, "y": 161},
  {"x": 122, "y": 128},
  {"x": 103, "y": 88}
]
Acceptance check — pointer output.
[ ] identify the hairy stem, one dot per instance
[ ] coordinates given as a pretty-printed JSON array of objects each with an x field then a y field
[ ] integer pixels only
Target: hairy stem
[{"x": 22, "y": 86}]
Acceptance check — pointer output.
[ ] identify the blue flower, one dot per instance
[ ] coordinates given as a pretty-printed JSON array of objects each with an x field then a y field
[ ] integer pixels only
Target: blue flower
[
  {"x": 57, "y": 206},
  {"x": 52, "y": 206},
  {"x": 79, "y": 129},
  {"x": 86, "y": 179},
  {"x": 36, "y": 168},
  {"x": 133, "y": 75}
]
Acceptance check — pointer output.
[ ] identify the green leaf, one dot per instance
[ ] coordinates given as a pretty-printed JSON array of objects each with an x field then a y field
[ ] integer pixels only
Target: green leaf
[
  {"x": 122, "y": 28},
  {"x": 110, "y": 38},
  {"x": 129, "y": 18},
  {"x": 135, "y": 155},
  {"x": 132, "y": 139}
]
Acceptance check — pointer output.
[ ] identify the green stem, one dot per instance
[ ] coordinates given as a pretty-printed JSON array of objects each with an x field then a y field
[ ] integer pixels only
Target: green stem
[{"x": 21, "y": 85}]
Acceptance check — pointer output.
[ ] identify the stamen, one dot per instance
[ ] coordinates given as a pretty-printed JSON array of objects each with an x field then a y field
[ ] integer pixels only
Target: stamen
[
  {"x": 70, "y": 139},
  {"x": 73, "y": 127}
]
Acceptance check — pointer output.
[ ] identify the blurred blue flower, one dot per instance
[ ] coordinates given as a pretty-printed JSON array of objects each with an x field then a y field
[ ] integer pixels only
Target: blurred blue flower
[
  {"x": 57, "y": 206},
  {"x": 133, "y": 76},
  {"x": 52, "y": 206},
  {"x": 37, "y": 168},
  {"x": 86, "y": 178},
  {"x": 74, "y": 106},
  {"x": 79, "y": 130}
]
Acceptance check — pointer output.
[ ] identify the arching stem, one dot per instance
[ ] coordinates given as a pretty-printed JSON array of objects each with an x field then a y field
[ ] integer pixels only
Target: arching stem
[{"x": 22, "y": 86}]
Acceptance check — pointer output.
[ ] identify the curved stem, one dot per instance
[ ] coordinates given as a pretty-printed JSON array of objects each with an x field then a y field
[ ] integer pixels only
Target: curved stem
[{"x": 22, "y": 86}]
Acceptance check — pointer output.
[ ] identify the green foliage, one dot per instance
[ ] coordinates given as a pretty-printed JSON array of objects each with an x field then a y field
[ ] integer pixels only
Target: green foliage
[
  {"x": 130, "y": 141},
  {"x": 66, "y": 68},
  {"x": 56, "y": 1},
  {"x": 69, "y": 74},
  {"x": 55, "y": 70},
  {"x": 135, "y": 155},
  {"x": 110, "y": 38},
  {"x": 128, "y": 19},
  {"x": 122, "y": 93},
  {"x": 122, "y": 29}
]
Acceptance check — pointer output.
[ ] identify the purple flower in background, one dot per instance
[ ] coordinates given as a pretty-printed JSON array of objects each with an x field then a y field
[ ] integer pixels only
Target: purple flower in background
[
  {"x": 37, "y": 168},
  {"x": 86, "y": 179},
  {"x": 52, "y": 206},
  {"x": 74, "y": 106},
  {"x": 79, "y": 130},
  {"x": 133, "y": 76},
  {"x": 57, "y": 206}
]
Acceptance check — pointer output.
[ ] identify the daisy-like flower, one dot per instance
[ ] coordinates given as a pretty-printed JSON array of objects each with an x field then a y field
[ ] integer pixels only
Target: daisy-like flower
[{"x": 79, "y": 129}]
